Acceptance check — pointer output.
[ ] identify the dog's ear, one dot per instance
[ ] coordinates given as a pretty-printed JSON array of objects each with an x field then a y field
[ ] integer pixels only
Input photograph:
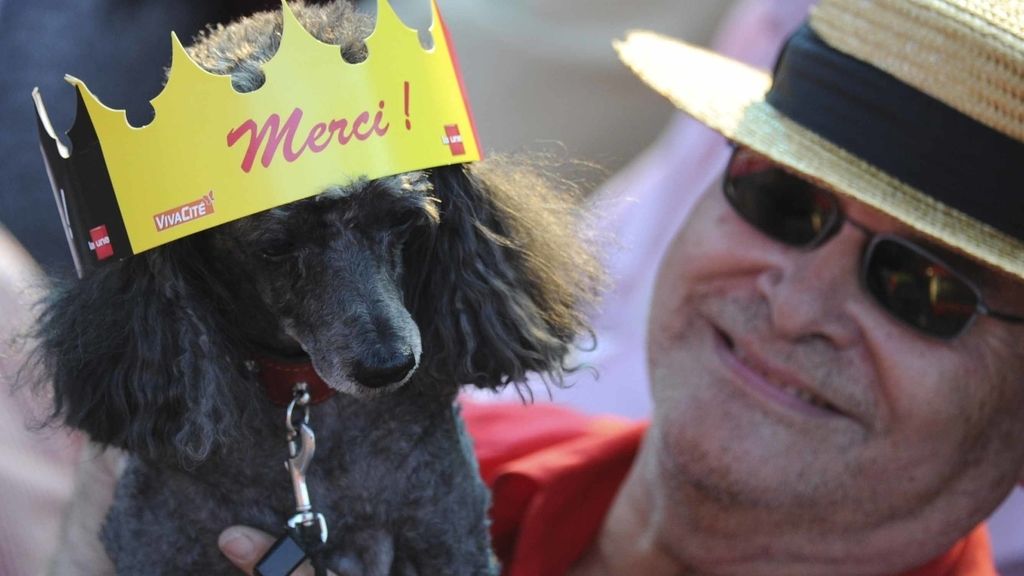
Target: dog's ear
[
  {"x": 502, "y": 287},
  {"x": 138, "y": 358}
]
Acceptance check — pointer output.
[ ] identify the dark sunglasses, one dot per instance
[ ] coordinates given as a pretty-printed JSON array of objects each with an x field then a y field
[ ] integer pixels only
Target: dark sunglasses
[{"x": 907, "y": 280}]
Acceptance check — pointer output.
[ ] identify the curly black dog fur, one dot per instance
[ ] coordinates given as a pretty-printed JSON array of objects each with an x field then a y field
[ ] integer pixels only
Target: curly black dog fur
[{"x": 398, "y": 290}]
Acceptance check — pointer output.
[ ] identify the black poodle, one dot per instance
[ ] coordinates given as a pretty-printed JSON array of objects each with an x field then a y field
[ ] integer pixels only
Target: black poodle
[{"x": 397, "y": 290}]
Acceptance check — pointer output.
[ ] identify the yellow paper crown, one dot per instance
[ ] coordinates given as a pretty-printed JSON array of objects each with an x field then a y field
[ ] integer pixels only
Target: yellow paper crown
[{"x": 212, "y": 155}]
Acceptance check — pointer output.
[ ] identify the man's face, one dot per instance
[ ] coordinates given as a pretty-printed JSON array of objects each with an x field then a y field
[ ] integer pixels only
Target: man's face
[{"x": 785, "y": 394}]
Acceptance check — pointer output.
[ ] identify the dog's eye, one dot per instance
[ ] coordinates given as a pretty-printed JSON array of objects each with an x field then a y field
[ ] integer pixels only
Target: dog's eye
[
  {"x": 406, "y": 221},
  {"x": 400, "y": 230},
  {"x": 277, "y": 250}
]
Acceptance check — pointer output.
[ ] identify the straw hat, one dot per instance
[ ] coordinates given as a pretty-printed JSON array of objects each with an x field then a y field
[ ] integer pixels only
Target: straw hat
[{"x": 914, "y": 107}]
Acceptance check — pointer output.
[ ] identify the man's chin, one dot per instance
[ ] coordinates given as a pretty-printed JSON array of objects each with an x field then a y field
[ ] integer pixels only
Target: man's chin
[{"x": 727, "y": 446}]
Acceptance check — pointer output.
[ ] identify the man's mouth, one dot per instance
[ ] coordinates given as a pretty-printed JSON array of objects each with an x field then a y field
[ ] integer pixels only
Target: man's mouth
[{"x": 774, "y": 381}]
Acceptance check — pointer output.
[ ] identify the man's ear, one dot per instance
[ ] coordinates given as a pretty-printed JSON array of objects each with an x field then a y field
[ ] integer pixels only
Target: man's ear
[{"x": 504, "y": 285}]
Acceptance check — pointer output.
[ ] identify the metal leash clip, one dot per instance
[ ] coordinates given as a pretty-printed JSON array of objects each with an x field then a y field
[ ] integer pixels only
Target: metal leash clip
[
  {"x": 301, "y": 448},
  {"x": 307, "y": 530}
]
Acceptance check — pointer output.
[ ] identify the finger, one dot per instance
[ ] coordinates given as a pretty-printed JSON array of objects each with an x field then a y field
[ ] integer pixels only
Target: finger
[{"x": 246, "y": 546}]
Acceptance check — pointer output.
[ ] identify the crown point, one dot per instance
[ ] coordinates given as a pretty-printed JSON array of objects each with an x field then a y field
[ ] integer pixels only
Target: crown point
[
  {"x": 437, "y": 26},
  {"x": 296, "y": 40},
  {"x": 387, "y": 16},
  {"x": 184, "y": 78},
  {"x": 385, "y": 6},
  {"x": 44, "y": 121},
  {"x": 290, "y": 25},
  {"x": 181, "y": 64},
  {"x": 435, "y": 14},
  {"x": 286, "y": 11},
  {"x": 181, "y": 61},
  {"x": 389, "y": 26},
  {"x": 177, "y": 49}
]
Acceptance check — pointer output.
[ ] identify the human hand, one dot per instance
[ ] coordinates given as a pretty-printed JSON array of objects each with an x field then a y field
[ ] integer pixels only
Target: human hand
[
  {"x": 246, "y": 546},
  {"x": 79, "y": 550}
]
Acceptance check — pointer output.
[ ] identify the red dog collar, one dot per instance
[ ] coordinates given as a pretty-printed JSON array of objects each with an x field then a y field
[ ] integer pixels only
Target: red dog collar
[{"x": 279, "y": 379}]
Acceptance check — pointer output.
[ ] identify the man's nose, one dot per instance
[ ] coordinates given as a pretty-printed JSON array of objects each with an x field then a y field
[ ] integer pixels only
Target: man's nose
[{"x": 809, "y": 291}]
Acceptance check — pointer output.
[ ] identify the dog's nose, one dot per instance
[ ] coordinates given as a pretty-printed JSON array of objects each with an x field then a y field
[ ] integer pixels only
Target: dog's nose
[{"x": 380, "y": 374}]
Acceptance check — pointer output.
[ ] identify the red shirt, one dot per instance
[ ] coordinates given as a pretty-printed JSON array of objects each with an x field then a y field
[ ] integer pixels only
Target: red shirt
[{"x": 554, "y": 473}]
